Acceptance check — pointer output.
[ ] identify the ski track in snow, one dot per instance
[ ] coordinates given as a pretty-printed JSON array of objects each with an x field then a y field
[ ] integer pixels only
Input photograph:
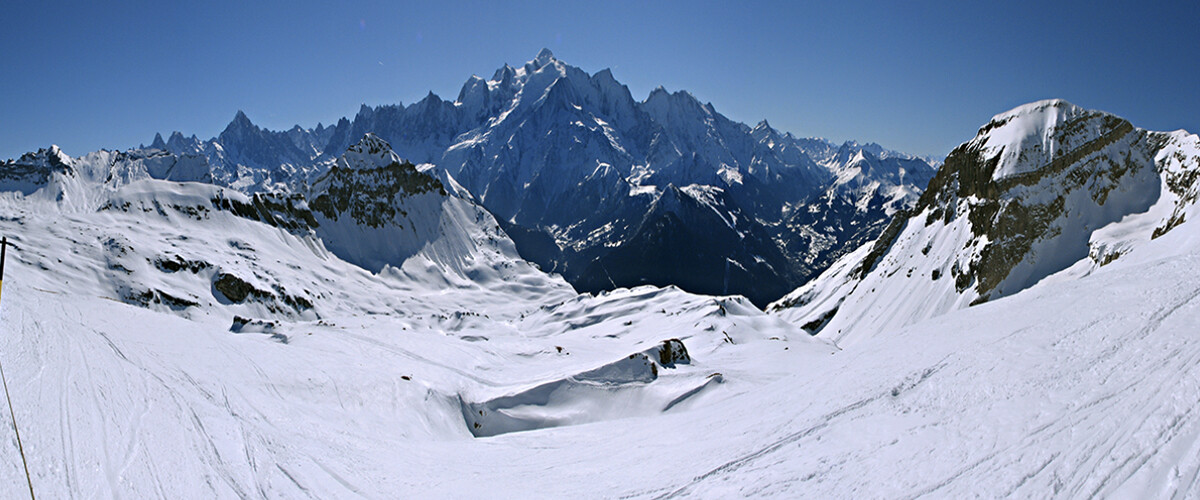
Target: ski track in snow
[
  {"x": 1096, "y": 403},
  {"x": 1099, "y": 465}
]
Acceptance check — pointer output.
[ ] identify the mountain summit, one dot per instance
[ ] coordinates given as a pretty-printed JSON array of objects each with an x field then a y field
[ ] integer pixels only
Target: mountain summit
[
  {"x": 1048, "y": 191},
  {"x": 544, "y": 57}
]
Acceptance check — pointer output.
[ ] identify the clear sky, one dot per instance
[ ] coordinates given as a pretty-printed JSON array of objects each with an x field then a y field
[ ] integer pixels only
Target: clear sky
[{"x": 916, "y": 76}]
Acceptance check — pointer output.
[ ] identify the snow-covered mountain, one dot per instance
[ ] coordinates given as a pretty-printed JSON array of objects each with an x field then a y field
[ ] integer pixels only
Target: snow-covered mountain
[
  {"x": 174, "y": 339},
  {"x": 371, "y": 210},
  {"x": 1046, "y": 192},
  {"x": 575, "y": 169},
  {"x": 376, "y": 210},
  {"x": 378, "y": 268}
]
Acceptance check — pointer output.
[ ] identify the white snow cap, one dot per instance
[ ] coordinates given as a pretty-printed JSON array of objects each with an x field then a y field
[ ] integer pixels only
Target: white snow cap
[
  {"x": 1039, "y": 108},
  {"x": 1026, "y": 130},
  {"x": 370, "y": 152}
]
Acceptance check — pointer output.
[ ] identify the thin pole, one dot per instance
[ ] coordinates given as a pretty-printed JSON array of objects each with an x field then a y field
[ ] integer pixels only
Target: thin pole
[
  {"x": 4, "y": 380},
  {"x": 3, "y": 249}
]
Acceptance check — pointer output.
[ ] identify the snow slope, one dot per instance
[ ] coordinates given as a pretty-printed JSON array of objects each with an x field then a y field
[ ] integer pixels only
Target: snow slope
[
  {"x": 1079, "y": 388},
  {"x": 178, "y": 280}
]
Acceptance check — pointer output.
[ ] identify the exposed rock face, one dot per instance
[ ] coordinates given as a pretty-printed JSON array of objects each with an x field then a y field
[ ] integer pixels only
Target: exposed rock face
[
  {"x": 32, "y": 171},
  {"x": 366, "y": 191},
  {"x": 1016, "y": 201},
  {"x": 234, "y": 288},
  {"x": 289, "y": 212},
  {"x": 671, "y": 352}
]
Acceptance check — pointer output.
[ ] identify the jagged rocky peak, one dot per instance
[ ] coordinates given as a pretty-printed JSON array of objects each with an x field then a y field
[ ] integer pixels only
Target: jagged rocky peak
[
  {"x": 367, "y": 183},
  {"x": 158, "y": 142},
  {"x": 240, "y": 122},
  {"x": 44, "y": 159},
  {"x": 47, "y": 159},
  {"x": 474, "y": 92},
  {"x": 540, "y": 76},
  {"x": 1037, "y": 181},
  {"x": 430, "y": 99},
  {"x": 662, "y": 94},
  {"x": 372, "y": 160},
  {"x": 870, "y": 147},
  {"x": 850, "y": 153},
  {"x": 504, "y": 76},
  {"x": 179, "y": 144},
  {"x": 543, "y": 58},
  {"x": 672, "y": 109},
  {"x": 376, "y": 210},
  {"x": 366, "y": 112},
  {"x": 34, "y": 170},
  {"x": 606, "y": 77},
  {"x": 1025, "y": 145}
]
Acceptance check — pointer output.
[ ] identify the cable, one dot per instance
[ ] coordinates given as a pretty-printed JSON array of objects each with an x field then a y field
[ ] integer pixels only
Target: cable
[
  {"x": 4, "y": 380},
  {"x": 20, "y": 448}
]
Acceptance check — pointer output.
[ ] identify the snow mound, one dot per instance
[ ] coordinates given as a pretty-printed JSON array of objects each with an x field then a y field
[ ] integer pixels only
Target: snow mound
[{"x": 619, "y": 389}]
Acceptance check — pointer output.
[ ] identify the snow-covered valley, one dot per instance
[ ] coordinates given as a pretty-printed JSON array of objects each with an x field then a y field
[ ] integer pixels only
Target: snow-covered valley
[{"x": 1079, "y": 388}]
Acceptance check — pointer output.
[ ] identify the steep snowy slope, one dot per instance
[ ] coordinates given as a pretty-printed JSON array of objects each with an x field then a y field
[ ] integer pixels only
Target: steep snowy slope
[
  {"x": 375, "y": 210},
  {"x": 1045, "y": 190},
  {"x": 182, "y": 246}
]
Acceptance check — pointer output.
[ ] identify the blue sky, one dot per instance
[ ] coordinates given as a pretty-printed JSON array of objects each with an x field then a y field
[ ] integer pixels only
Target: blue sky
[{"x": 915, "y": 76}]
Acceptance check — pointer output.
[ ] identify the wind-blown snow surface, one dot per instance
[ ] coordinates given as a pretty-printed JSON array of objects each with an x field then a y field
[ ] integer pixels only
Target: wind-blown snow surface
[{"x": 1091, "y": 389}]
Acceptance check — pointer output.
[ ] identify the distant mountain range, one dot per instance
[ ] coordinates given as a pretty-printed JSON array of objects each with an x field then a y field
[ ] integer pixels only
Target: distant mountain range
[{"x": 598, "y": 187}]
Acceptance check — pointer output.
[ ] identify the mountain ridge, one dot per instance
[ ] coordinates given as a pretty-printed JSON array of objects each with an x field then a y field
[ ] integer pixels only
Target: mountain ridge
[
  {"x": 559, "y": 154},
  {"x": 1046, "y": 192}
]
